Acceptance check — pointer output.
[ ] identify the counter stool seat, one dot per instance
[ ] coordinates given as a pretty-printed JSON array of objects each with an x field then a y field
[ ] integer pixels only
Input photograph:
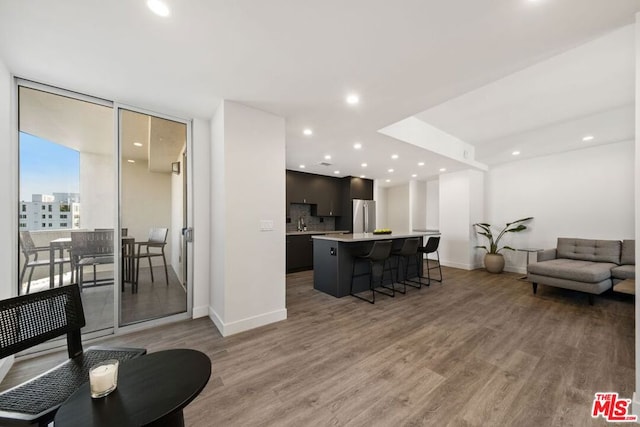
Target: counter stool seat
[
  {"x": 408, "y": 251},
  {"x": 377, "y": 259},
  {"x": 429, "y": 248}
]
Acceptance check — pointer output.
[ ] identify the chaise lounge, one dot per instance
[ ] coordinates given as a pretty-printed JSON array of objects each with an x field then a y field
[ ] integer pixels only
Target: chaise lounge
[{"x": 590, "y": 266}]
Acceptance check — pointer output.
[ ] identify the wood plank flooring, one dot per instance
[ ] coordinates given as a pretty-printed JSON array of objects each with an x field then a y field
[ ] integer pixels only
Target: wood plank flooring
[{"x": 477, "y": 350}]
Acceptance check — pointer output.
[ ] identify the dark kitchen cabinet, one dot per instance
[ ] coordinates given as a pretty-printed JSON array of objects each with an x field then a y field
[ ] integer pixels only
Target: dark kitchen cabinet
[
  {"x": 299, "y": 253},
  {"x": 352, "y": 188},
  {"x": 323, "y": 193},
  {"x": 301, "y": 187},
  {"x": 329, "y": 197}
]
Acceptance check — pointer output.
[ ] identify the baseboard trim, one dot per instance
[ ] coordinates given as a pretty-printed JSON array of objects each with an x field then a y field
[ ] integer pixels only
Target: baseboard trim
[
  {"x": 5, "y": 365},
  {"x": 253, "y": 322},
  {"x": 457, "y": 265},
  {"x": 202, "y": 311}
]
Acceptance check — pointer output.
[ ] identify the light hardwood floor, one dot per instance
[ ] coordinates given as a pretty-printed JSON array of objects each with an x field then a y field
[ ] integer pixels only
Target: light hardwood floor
[{"x": 477, "y": 350}]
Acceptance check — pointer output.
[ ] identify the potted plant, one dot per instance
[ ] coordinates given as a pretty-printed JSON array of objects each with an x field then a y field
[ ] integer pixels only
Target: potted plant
[{"x": 493, "y": 259}]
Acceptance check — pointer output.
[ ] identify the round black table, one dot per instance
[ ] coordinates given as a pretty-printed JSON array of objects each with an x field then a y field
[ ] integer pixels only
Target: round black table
[{"x": 152, "y": 390}]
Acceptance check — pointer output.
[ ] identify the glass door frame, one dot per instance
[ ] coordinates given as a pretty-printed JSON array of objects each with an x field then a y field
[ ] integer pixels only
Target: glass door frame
[{"x": 188, "y": 247}]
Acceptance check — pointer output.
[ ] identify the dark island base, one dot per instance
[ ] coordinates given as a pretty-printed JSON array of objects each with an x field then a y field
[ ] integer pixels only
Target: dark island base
[{"x": 333, "y": 266}]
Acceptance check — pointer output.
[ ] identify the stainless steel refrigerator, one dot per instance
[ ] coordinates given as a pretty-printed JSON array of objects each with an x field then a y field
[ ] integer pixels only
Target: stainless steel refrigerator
[{"x": 364, "y": 216}]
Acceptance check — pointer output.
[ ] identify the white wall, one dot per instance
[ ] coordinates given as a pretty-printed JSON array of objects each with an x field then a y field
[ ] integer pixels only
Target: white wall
[
  {"x": 398, "y": 208},
  {"x": 9, "y": 207},
  {"x": 585, "y": 193},
  {"x": 433, "y": 204},
  {"x": 636, "y": 394},
  {"x": 177, "y": 218},
  {"x": 461, "y": 205},
  {"x": 380, "y": 197},
  {"x": 97, "y": 191},
  {"x": 200, "y": 249},
  {"x": 145, "y": 202},
  {"x": 418, "y": 202},
  {"x": 252, "y": 262}
]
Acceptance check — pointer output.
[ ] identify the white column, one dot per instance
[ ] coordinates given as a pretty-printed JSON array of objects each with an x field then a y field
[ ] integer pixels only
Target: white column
[
  {"x": 636, "y": 395},
  {"x": 247, "y": 193}
]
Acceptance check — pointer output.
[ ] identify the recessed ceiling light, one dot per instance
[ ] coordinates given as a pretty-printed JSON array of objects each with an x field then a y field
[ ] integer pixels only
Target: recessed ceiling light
[
  {"x": 357, "y": 146},
  {"x": 443, "y": 169},
  {"x": 516, "y": 153},
  {"x": 390, "y": 170},
  {"x": 327, "y": 157},
  {"x": 353, "y": 99},
  {"x": 138, "y": 144},
  {"x": 131, "y": 161},
  {"x": 421, "y": 164},
  {"x": 336, "y": 172},
  {"x": 302, "y": 166},
  {"x": 362, "y": 176},
  {"x": 394, "y": 156},
  {"x": 414, "y": 175},
  {"x": 158, "y": 7},
  {"x": 387, "y": 180},
  {"x": 588, "y": 138},
  {"x": 364, "y": 165},
  {"x": 307, "y": 132}
]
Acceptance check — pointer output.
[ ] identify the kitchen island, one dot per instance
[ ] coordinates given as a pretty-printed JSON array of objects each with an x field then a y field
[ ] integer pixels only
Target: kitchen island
[{"x": 333, "y": 258}]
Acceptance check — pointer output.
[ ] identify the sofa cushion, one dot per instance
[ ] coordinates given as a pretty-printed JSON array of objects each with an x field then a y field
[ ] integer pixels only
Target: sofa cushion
[
  {"x": 624, "y": 272},
  {"x": 572, "y": 269},
  {"x": 589, "y": 250},
  {"x": 628, "y": 252}
]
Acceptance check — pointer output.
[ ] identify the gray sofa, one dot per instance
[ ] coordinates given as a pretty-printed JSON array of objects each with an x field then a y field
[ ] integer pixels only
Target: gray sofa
[{"x": 590, "y": 266}]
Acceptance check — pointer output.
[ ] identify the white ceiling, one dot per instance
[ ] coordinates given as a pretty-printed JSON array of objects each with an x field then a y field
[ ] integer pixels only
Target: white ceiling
[{"x": 299, "y": 59}]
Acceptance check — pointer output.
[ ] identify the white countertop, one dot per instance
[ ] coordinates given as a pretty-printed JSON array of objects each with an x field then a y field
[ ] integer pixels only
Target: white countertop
[
  {"x": 302, "y": 233},
  {"x": 363, "y": 237}
]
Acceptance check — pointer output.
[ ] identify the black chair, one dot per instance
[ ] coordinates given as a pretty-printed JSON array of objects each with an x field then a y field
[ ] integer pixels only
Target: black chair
[
  {"x": 91, "y": 248},
  {"x": 429, "y": 248},
  {"x": 404, "y": 255},
  {"x": 29, "y": 250},
  {"x": 32, "y": 319},
  {"x": 377, "y": 259}
]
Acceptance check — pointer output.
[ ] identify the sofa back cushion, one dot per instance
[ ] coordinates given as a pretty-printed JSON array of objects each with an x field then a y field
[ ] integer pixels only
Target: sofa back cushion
[
  {"x": 628, "y": 256},
  {"x": 589, "y": 250}
]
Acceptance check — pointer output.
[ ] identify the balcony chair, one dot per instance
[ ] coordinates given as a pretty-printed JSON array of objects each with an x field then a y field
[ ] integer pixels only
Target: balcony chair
[
  {"x": 91, "y": 248},
  {"x": 29, "y": 250},
  {"x": 157, "y": 240}
]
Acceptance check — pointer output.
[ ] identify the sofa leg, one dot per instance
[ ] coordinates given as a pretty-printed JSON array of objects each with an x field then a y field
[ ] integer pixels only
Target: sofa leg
[
  {"x": 591, "y": 299},
  {"x": 535, "y": 287}
]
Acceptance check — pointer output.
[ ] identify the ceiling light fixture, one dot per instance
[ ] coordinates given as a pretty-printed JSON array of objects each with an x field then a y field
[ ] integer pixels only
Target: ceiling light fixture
[
  {"x": 336, "y": 172},
  {"x": 515, "y": 153},
  {"x": 131, "y": 161},
  {"x": 362, "y": 176},
  {"x": 307, "y": 132},
  {"x": 327, "y": 157},
  {"x": 390, "y": 170},
  {"x": 158, "y": 7},
  {"x": 364, "y": 165},
  {"x": 353, "y": 99},
  {"x": 138, "y": 144},
  {"x": 443, "y": 169},
  {"x": 387, "y": 180},
  {"x": 302, "y": 166},
  {"x": 394, "y": 156},
  {"x": 357, "y": 146},
  {"x": 421, "y": 164},
  {"x": 414, "y": 175},
  {"x": 588, "y": 138}
]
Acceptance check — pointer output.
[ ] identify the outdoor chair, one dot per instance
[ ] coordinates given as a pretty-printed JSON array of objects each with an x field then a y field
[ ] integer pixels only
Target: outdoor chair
[{"x": 31, "y": 252}]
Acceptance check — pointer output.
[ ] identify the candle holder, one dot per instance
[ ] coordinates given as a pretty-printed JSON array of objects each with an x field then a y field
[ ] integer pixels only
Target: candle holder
[{"x": 103, "y": 378}]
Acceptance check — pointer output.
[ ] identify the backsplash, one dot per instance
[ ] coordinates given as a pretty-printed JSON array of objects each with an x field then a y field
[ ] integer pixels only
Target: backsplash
[{"x": 313, "y": 222}]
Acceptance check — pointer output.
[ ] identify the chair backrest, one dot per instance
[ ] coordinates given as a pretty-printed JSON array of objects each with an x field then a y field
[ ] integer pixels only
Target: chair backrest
[
  {"x": 381, "y": 250},
  {"x": 85, "y": 243},
  {"x": 158, "y": 235},
  {"x": 26, "y": 244},
  {"x": 29, "y": 320},
  {"x": 410, "y": 246},
  {"x": 124, "y": 233},
  {"x": 432, "y": 245}
]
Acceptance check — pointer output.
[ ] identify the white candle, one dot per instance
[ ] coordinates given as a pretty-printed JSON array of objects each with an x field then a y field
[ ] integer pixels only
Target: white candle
[{"x": 103, "y": 378}]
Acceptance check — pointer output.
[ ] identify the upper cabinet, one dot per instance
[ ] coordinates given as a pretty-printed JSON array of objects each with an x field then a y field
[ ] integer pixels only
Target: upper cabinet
[{"x": 323, "y": 193}]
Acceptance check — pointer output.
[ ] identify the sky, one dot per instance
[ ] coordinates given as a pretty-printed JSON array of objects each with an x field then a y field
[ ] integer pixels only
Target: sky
[{"x": 46, "y": 167}]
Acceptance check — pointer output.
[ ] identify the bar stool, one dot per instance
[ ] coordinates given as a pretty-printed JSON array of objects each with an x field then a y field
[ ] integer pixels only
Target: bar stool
[
  {"x": 429, "y": 248},
  {"x": 404, "y": 255},
  {"x": 377, "y": 259}
]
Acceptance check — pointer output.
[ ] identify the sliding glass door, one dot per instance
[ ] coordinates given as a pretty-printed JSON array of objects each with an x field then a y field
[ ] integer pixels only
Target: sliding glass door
[{"x": 102, "y": 204}]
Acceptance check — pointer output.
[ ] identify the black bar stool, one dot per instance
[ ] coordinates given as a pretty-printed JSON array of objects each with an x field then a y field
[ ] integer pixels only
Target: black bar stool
[
  {"x": 429, "y": 248},
  {"x": 377, "y": 259},
  {"x": 408, "y": 251}
]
